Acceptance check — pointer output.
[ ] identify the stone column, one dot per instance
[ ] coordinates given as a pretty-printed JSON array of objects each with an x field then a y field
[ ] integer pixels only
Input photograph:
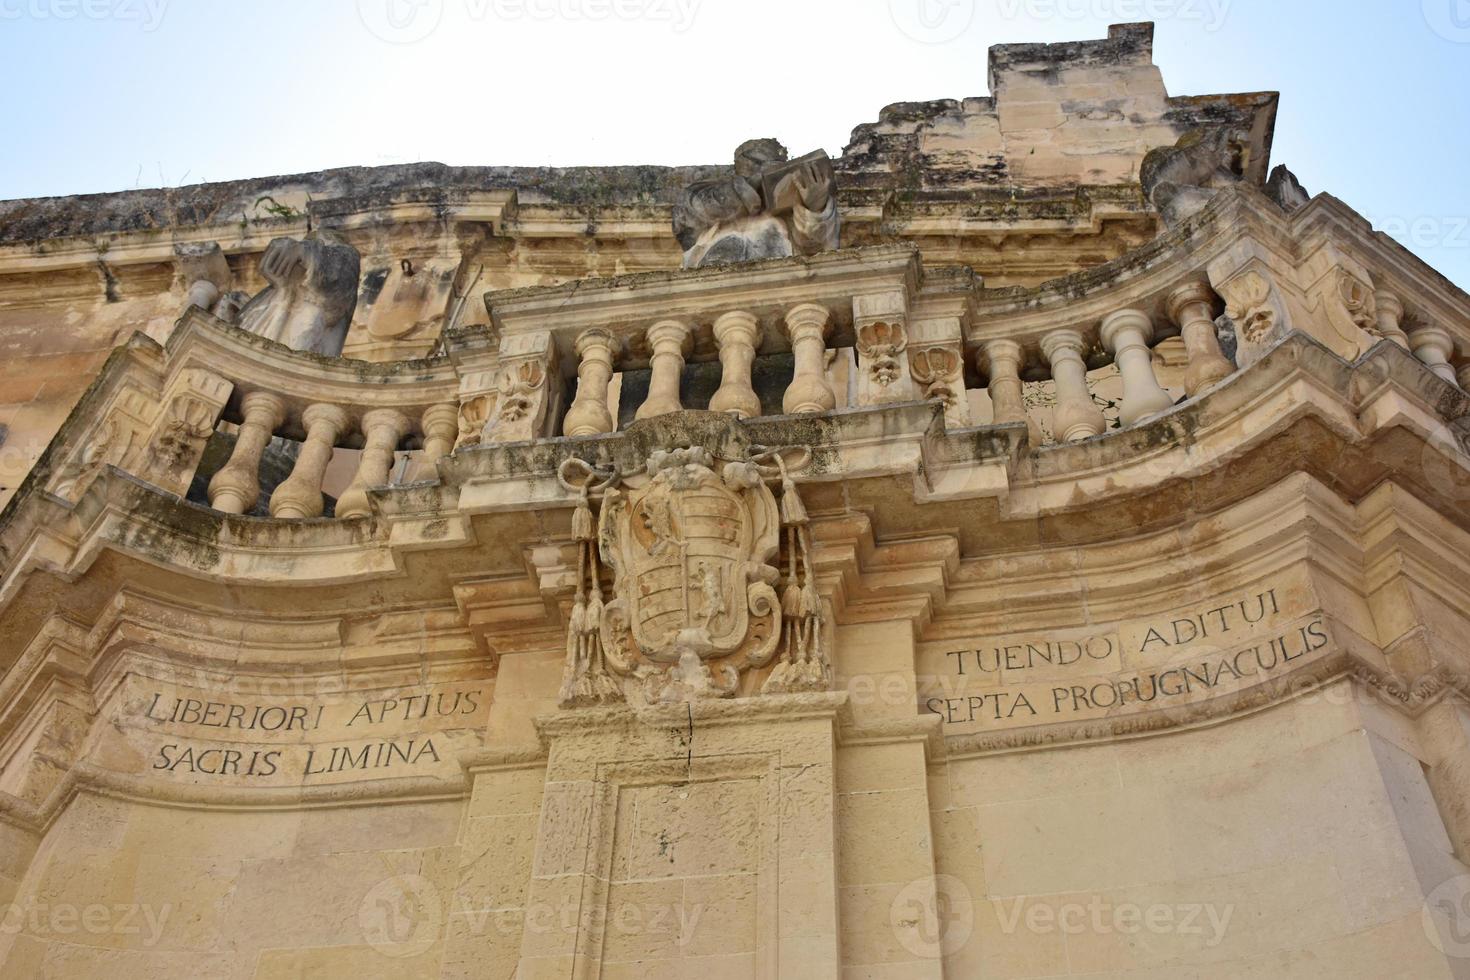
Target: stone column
[
  {"x": 668, "y": 340},
  {"x": 384, "y": 429},
  {"x": 300, "y": 494},
  {"x": 440, "y": 425},
  {"x": 1126, "y": 334},
  {"x": 737, "y": 333},
  {"x": 236, "y": 487},
  {"x": 806, "y": 325},
  {"x": 1433, "y": 346},
  {"x": 1189, "y": 306},
  {"x": 1000, "y": 360},
  {"x": 589, "y": 415},
  {"x": 1390, "y": 315},
  {"x": 1076, "y": 416}
]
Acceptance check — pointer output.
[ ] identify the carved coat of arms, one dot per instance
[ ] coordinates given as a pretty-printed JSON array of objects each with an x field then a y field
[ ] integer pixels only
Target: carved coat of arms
[{"x": 693, "y": 553}]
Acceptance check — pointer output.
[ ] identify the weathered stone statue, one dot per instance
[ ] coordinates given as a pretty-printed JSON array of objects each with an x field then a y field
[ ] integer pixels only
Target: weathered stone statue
[
  {"x": 312, "y": 293},
  {"x": 1180, "y": 180},
  {"x": 771, "y": 207}
]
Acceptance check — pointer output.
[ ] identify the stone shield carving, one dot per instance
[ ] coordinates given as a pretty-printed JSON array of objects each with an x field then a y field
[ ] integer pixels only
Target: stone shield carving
[
  {"x": 693, "y": 544},
  {"x": 691, "y": 555}
]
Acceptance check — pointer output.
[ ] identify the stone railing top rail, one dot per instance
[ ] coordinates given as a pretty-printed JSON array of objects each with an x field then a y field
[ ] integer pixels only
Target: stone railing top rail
[{"x": 628, "y": 305}]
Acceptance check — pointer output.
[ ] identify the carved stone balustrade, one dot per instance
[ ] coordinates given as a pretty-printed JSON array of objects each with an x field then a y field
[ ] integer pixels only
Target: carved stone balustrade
[
  {"x": 589, "y": 414},
  {"x": 236, "y": 488},
  {"x": 737, "y": 333},
  {"x": 807, "y": 324},
  {"x": 1189, "y": 307},
  {"x": 1434, "y": 346},
  {"x": 1126, "y": 335},
  {"x": 301, "y": 494},
  {"x": 668, "y": 340},
  {"x": 1077, "y": 416}
]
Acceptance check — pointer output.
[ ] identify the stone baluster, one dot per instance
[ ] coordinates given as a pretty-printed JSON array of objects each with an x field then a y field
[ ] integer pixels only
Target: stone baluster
[
  {"x": 236, "y": 487},
  {"x": 440, "y": 425},
  {"x": 1390, "y": 316},
  {"x": 1433, "y": 346},
  {"x": 737, "y": 333},
  {"x": 668, "y": 339},
  {"x": 300, "y": 494},
  {"x": 383, "y": 429},
  {"x": 809, "y": 391},
  {"x": 1076, "y": 416},
  {"x": 1000, "y": 360},
  {"x": 589, "y": 414},
  {"x": 1190, "y": 307},
  {"x": 1126, "y": 334}
]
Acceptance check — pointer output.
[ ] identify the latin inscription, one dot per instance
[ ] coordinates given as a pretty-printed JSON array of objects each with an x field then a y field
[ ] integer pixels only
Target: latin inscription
[
  {"x": 242, "y": 739},
  {"x": 1166, "y": 661}
]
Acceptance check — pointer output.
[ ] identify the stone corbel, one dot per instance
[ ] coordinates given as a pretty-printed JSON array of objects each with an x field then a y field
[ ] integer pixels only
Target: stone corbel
[
  {"x": 1341, "y": 295},
  {"x": 1254, "y": 306},
  {"x": 191, "y": 407},
  {"x": 880, "y": 325},
  {"x": 117, "y": 439},
  {"x": 528, "y": 385},
  {"x": 938, "y": 370},
  {"x": 478, "y": 398}
]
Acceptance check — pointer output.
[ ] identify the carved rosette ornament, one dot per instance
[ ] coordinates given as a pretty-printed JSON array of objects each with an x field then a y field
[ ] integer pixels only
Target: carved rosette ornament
[{"x": 693, "y": 552}]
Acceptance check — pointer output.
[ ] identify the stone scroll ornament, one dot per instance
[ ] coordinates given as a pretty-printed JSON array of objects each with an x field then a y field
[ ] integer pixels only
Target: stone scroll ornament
[{"x": 693, "y": 551}]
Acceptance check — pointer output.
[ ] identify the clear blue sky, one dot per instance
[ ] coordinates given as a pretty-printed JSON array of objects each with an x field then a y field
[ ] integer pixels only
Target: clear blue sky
[{"x": 113, "y": 94}]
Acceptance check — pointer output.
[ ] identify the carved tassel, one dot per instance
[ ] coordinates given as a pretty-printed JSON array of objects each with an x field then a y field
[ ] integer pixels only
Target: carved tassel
[
  {"x": 582, "y": 518},
  {"x": 793, "y": 511}
]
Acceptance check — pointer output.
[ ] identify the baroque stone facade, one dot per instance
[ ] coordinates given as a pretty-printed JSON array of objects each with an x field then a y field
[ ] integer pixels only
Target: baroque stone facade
[{"x": 1033, "y": 543}]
